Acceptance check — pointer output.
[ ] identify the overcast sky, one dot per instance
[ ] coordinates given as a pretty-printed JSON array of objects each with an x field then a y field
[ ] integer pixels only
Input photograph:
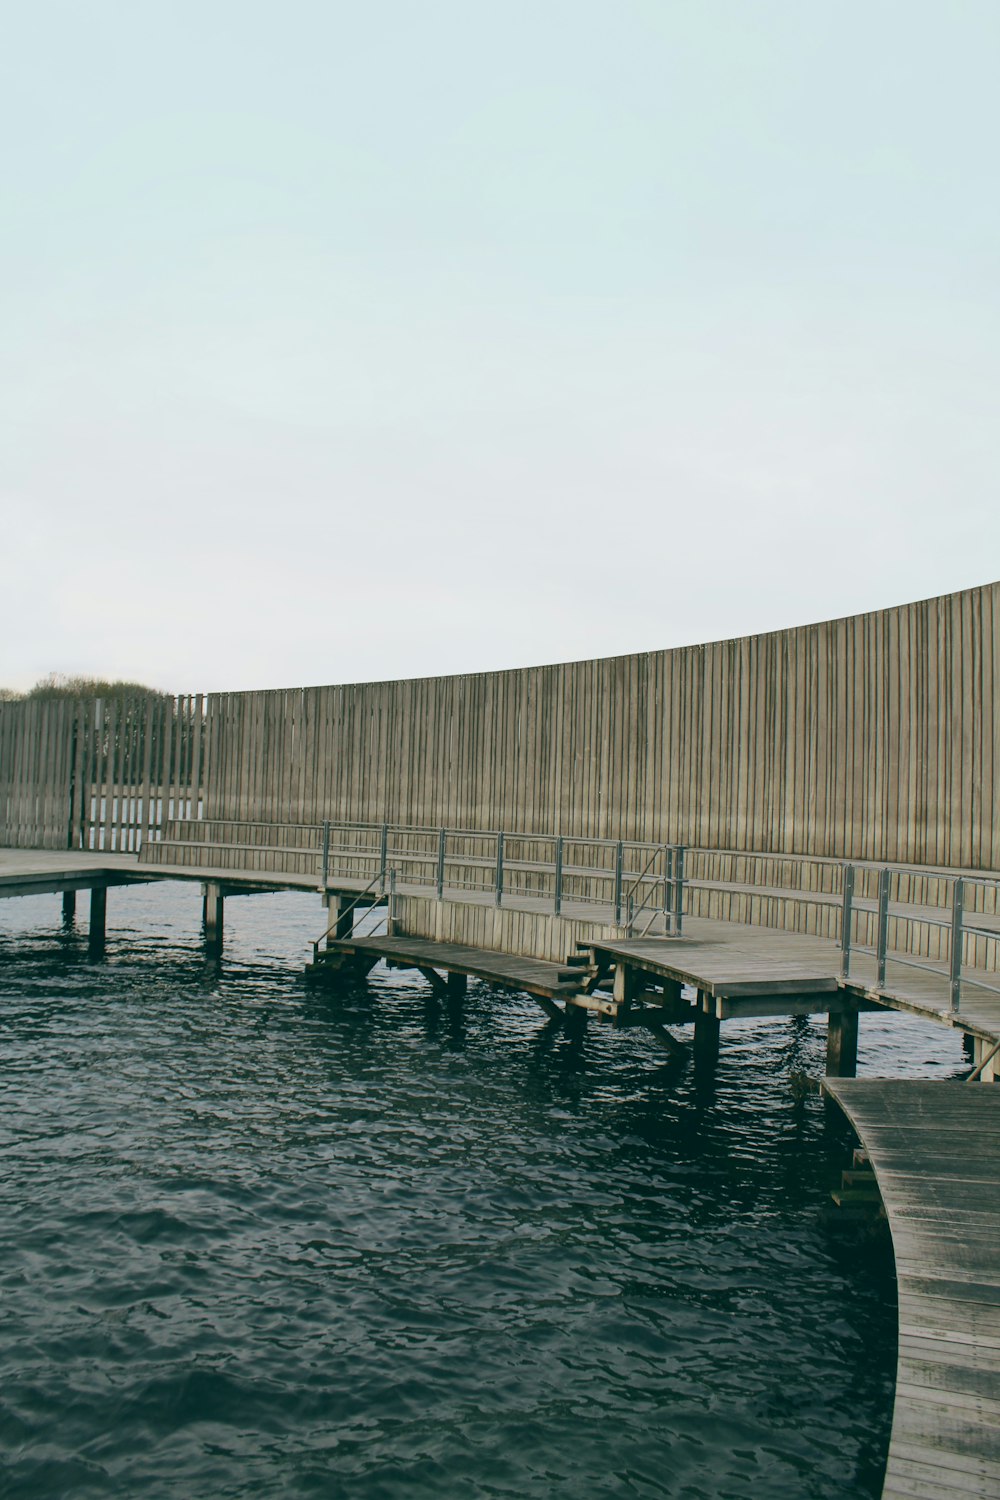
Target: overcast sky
[{"x": 351, "y": 341}]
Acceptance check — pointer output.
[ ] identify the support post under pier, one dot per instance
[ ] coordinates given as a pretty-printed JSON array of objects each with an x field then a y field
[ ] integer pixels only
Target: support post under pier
[
  {"x": 626, "y": 984},
  {"x": 842, "y": 1044},
  {"x": 338, "y": 917},
  {"x": 575, "y": 1020},
  {"x": 98, "y": 921},
  {"x": 212, "y": 913},
  {"x": 986, "y": 1059},
  {"x": 707, "y": 1027},
  {"x": 69, "y": 907}
]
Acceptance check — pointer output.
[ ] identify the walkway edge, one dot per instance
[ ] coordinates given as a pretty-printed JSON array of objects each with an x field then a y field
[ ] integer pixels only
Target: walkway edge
[{"x": 933, "y": 1146}]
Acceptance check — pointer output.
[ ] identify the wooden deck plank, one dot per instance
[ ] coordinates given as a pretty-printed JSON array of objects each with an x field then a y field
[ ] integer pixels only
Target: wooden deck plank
[
  {"x": 31, "y": 872},
  {"x": 725, "y": 959},
  {"x": 946, "y": 1419},
  {"x": 534, "y": 975}
]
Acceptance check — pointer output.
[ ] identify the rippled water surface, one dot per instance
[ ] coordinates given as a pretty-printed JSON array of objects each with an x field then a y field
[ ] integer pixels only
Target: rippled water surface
[{"x": 257, "y": 1239}]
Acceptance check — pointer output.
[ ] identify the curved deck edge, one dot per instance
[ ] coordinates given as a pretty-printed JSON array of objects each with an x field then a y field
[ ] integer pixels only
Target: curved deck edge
[{"x": 934, "y": 1146}]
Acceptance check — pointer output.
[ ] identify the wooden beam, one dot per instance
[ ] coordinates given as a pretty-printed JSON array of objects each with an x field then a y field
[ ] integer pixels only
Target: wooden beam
[
  {"x": 673, "y": 1011},
  {"x": 339, "y": 914},
  {"x": 552, "y": 1010},
  {"x": 362, "y": 965},
  {"x": 575, "y": 1019},
  {"x": 740, "y": 1007},
  {"x": 434, "y": 979},
  {"x": 706, "y": 1036},
  {"x": 98, "y": 921},
  {"x": 587, "y": 1003},
  {"x": 656, "y": 1028},
  {"x": 842, "y": 1044},
  {"x": 628, "y": 982},
  {"x": 599, "y": 978},
  {"x": 213, "y": 906}
]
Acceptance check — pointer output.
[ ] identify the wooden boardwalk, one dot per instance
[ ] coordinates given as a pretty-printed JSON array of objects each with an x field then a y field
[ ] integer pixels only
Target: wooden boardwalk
[
  {"x": 533, "y": 976},
  {"x": 726, "y": 961},
  {"x": 39, "y": 872},
  {"x": 736, "y": 964},
  {"x": 27, "y": 872},
  {"x": 741, "y": 966},
  {"x": 934, "y": 1147}
]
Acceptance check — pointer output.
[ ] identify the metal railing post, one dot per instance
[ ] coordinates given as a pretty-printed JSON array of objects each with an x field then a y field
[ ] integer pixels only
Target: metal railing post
[
  {"x": 847, "y": 917},
  {"x": 957, "y": 913},
  {"x": 499, "y": 873},
  {"x": 390, "y": 922},
  {"x": 440, "y": 868},
  {"x": 676, "y": 925},
  {"x": 883, "y": 925},
  {"x": 668, "y": 881},
  {"x": 326, "y": 851},
  {"x": 618, "y": 883},
  {"x": 383, "y": 853},
  {"x": 559, "y": 875}
]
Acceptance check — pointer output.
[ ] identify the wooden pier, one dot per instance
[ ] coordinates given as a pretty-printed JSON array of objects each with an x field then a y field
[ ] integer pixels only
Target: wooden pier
[
  {"x": 444, "y": 964},
  {"x": 934, "y": 1147},
  {"x": 734, "y": 970}
]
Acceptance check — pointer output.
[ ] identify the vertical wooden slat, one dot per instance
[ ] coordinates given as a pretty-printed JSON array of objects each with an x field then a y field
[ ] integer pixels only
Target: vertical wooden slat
[{"x": 870, "y": 737}]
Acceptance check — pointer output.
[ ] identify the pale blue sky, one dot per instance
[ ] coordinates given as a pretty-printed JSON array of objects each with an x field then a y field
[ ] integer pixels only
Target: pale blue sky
[{"x": 364, "y": 341}]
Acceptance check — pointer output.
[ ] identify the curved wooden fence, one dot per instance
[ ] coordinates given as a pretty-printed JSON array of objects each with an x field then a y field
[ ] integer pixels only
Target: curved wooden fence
[{"x": 870, "y": 738}]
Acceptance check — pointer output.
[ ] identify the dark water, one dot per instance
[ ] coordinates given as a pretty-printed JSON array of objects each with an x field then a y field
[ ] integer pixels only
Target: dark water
[{"x": 257, "y": 1240}]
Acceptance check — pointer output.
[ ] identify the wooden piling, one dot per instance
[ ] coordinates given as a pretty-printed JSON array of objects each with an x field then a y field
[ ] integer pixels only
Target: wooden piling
[
  {"x": 212, "y": 913},
  {"x": 707, "y": 1028},
  {"x": 842, "y": 1044},
  {"x": 98, "y": 921},
  {"x": 340, "y": 910}
]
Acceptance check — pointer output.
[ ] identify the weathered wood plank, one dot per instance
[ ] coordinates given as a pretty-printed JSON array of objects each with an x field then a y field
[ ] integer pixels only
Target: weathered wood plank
[
  {"x": 851, "y": 739},
  {"x": 536, "y": 976},
  {"x": 942, "y": 1208}
]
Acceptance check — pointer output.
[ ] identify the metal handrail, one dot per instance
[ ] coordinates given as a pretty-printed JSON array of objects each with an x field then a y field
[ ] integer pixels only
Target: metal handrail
[
  {"x": 380, "y": 877},
  {"x": 432, "y": 860},
  {"x": 642, "y": 873},
  {"x": 673, "y": 892},
  {"x": 634, "y": 912},
  {"x": 960, "y": 928},
  {"x": 556, "y": 868},
  {"x": 652, "y": 918},
  {"x": 823, "y": 860}
]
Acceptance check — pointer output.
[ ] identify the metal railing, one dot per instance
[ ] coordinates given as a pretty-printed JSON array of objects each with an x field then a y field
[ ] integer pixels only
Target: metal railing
[
  {"x": 960, "y": 925},
  {"x": 339, "y": 921},
  {"x": 627, "y": 877},
  {"x": 942, "y": 921}
]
